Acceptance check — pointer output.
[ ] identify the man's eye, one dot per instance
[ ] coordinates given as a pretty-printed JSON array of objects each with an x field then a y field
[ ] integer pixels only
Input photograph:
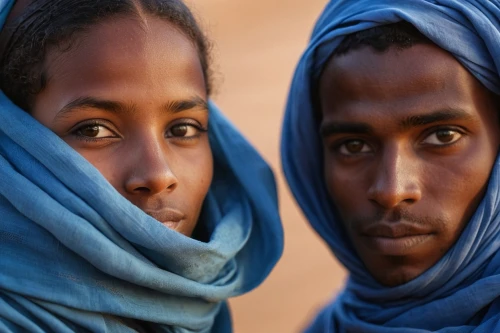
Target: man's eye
[
  {"x": 95, "y": 132},
  {"x": 354, "y": 147},
  {"x": 183, "y": 131},
  {"x": 443, "y": 137}
]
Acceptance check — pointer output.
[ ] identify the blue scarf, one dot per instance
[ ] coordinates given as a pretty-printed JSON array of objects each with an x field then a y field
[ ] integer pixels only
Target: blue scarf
[
  {"x": 461, "y": 292},
  {"x": 77, "y": 256}
]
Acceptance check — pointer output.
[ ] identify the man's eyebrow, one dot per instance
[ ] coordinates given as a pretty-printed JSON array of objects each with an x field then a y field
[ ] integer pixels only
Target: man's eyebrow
[
  {"x": 335, "y": 127},
  {"x": 434, "y": 117},
  {"x": 117, "y": 107}
]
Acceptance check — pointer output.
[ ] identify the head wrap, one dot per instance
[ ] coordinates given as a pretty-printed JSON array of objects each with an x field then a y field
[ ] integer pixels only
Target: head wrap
[
  {"x": 77, "y": 256},
  {"x": 458, "y": 293}
]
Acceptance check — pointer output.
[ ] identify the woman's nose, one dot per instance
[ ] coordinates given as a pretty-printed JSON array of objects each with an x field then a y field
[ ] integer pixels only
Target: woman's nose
[
  {"x": 395, "y": 180},
  {"x": 150, "y": 172}
]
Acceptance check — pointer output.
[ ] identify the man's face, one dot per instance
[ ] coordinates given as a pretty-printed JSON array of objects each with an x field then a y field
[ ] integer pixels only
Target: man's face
[{"x": 410, "y": 138}]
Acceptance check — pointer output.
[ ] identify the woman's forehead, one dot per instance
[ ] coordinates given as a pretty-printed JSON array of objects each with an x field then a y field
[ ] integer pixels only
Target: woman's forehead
[{"x": 120, "y": 61}]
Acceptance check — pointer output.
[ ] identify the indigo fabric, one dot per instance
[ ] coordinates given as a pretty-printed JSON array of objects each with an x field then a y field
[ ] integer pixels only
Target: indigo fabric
[
  {"x": 460, "y": 293},
  {"x": 77, "y": 256}
]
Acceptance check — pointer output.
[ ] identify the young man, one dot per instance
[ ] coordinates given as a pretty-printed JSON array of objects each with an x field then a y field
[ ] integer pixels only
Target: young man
[{"x": 390, "y": 146}]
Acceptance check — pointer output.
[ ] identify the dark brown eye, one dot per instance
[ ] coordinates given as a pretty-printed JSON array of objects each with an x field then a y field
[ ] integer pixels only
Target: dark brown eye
[
  {"x": 446, "y": 136},
  {"x": 354, "y": 147},
  {"x": 95, "y": 131},
  {"x": 184, "y": 131},
  {"x": 179, "y": 130},
  {"x": 90, "y": 131},
  {"x": 443, "y": 137}
]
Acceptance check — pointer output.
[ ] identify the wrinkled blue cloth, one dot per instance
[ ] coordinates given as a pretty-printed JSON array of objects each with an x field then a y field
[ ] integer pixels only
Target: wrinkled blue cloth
[
  {"x": 460, "y": 293},
  {"x": 77, "y": 256}
]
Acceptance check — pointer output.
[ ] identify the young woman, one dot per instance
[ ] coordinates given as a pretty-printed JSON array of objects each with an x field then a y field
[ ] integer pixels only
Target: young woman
[{"x": 128, "y": 202}]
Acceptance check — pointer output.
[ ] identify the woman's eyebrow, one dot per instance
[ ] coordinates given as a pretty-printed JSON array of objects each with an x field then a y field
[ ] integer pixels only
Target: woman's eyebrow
[
  {"x": 118, "y": 107},
  {"x": 92, "y": 103},
  {"x": 188, "y": 104}
]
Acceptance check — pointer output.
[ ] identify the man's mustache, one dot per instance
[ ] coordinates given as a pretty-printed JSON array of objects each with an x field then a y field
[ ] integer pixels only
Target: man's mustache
[{"x": 399, "y": 215}]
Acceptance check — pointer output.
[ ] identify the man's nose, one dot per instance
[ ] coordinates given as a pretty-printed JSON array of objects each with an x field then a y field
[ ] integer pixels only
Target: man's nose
[
  {"x": 151, "y": 172},
  {"x": 395, "y": 179}
]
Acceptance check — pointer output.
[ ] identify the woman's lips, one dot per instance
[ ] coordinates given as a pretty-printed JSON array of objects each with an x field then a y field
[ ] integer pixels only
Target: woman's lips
[
  {"x": 170, "y": 224},
  {"x": 169, "y": 217}
]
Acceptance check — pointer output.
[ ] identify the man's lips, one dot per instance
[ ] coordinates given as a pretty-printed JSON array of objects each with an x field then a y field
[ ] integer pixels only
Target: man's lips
[
  {"x": 393, "y": 229},
  {"x": 168, "y": 217},
  {"x": 394, "y": 238}
]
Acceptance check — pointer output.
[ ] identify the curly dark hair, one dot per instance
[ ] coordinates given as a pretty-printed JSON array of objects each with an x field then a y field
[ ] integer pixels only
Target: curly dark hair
[
  {"x": 401, "y": 35},
  {"x": 45, "y": 24}
]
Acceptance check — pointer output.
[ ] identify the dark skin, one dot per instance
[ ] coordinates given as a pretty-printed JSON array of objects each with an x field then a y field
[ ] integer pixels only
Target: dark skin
[
  {"x": 130, "y": 96},
  {"x": 410, "y": 138}
]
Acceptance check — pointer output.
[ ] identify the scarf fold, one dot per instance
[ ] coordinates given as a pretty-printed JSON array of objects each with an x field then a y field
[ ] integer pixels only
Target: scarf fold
[
  {"x": 77, "y": 256},
  {"x": 459, "y": 293}
]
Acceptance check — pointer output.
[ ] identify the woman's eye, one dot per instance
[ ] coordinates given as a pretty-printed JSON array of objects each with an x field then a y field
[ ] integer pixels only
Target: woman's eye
[
  {"x": 95, "y": 132},
  {"x": 183, "y": 131},
  {"x": 354, "y": 147},
  {"x": 443, "y": 137}
]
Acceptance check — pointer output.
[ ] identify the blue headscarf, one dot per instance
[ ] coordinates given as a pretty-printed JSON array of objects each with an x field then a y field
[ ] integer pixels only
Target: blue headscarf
[
  {"x": 77, "y": 256},
  {"x": 459, "y": 293}
]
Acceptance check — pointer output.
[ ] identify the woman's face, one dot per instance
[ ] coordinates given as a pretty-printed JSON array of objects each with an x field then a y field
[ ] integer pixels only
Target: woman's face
[{"x": 130, "y": 97}]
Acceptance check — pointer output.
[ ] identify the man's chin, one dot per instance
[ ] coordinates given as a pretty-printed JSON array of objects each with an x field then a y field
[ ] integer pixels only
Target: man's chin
[{"x": 392, "y": 271}]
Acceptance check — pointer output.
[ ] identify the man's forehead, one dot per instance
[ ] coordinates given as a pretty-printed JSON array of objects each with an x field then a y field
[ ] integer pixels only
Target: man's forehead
[
  {"x": 368, "y": 62},
  {"x": 399, "y": 86},
  {"x": 369, "y": 74}
]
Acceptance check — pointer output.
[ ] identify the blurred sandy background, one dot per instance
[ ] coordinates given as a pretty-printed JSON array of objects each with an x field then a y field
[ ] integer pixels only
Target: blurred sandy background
[{"x": 257, "y": 45}]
